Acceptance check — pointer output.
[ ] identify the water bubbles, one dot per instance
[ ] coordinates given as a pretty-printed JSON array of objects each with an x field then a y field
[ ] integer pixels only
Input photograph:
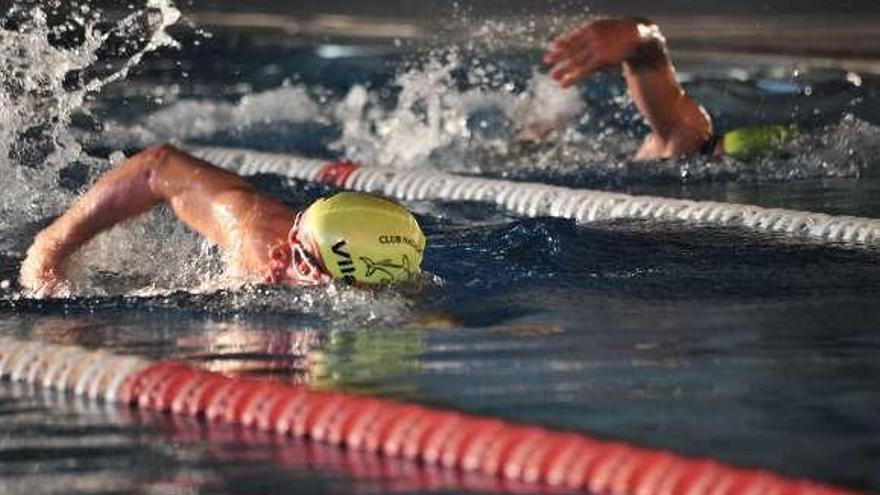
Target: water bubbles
[
  {"x": 854, "y": 79},
  {"x": 50, "y": 74},
  {"x": 51, "y": 70},
  {"x": 154, "y": 17}
]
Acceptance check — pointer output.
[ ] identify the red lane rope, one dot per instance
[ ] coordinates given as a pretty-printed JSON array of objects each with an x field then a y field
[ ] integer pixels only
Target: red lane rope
[
  {"x": 539, "y": 200},
  {"x": 336, "y": 173},
  {"x": 451, "y": 439},
  {"x": 434, "y": 437}
]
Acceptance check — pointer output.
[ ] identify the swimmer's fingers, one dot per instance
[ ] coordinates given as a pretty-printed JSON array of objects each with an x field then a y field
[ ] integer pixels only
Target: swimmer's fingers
[
  {"x": 609, "y": 42},
  {"x": 574, "y": 38},
  {"x": 578, "y": 68},
  {"x": 575, "y": 74},
  {"x": 43, "y": 286},
  {"x": 573, "y": 63},
  {"x": 566, "y": 48},
  {"x": 572, "y": 44},
  {"x": 39, "y": 276},
  {"x": 554, "y": 56},
  {"x": 571, "y": 36},
  {"x": 49, "y": 288},
  {"x": 576, "y": 61},
  {"x": 583, "y": 63}
]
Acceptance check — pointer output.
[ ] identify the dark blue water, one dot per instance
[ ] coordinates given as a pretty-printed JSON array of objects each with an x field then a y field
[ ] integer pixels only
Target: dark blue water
[{"x": 752, "y": 349}]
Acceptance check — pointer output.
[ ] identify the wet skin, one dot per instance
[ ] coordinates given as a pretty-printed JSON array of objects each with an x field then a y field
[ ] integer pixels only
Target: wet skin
[
  {"x": 246, "y": 224},
  {"x": 219, "y": 205},
  {"x": 679, "y": 125}
]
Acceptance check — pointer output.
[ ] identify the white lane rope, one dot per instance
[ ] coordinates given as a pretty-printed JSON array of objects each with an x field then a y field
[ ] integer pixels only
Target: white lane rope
[{"x": 539, "y": 200}]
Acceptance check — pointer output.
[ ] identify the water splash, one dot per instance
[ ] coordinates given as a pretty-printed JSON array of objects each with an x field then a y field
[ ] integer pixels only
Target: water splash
[
  {"x": 456, "y": 108},
  {"x": 462, "y": 109},
  {"x": 197, "y": 119},
  {"x": 47, "y": 81},
  {"x": 435, "y": 124},
  {"x": 430, "y": 120},
  {"x": 153, "y": 259}
]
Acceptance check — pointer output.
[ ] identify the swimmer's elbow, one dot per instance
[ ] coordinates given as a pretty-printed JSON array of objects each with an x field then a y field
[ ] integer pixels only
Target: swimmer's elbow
[
  {"x": 156, "y": 155},
  {"x": 152, "y": 169},
  {"x": 160, "y": 149}
]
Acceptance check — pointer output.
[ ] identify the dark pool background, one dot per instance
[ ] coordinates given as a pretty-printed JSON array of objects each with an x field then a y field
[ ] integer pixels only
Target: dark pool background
[{"x": 752, "y": 349}]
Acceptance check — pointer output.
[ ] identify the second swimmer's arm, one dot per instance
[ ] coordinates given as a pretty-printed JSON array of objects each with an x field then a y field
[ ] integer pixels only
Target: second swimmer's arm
[{"x": 679, "y": 124}]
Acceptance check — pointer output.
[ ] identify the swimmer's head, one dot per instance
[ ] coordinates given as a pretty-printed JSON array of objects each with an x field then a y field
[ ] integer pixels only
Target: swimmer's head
[
  {"x": 748, "y": 142},
  {"x": 363, "y": 239}
]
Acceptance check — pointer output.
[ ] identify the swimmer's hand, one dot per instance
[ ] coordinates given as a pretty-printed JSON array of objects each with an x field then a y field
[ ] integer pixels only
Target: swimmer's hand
[
  {"x": 42, "y": 273},
  {"x": 592, "y": 47},
  {"x": 679, "y": 125}
]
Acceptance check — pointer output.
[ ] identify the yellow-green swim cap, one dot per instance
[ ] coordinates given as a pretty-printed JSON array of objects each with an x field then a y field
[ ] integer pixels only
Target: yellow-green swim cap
[
  {"x": 363, "y": 239},
  {"x": 747, "y": 142}
]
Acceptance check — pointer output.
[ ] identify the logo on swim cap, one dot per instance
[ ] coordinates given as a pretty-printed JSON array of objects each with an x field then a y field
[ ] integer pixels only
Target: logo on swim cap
[
  {"x": 344, "y": 261},
  {"x": 362, "y": 238}
]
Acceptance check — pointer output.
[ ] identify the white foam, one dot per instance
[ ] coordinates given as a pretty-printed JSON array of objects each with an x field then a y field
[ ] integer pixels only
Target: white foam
[
  {"x": 189, "y": 119},
  {"x": 36, "y": 105}
]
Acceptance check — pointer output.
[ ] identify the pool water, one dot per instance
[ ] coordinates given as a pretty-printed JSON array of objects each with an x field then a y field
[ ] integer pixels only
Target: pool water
[{"x": 753, "y": 349}]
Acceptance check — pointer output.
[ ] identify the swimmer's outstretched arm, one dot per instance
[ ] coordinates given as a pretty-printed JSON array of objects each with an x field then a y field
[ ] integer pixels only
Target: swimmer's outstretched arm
[
  {"x": 680, "y": 125},
  {"x": 218, "y": 204}
]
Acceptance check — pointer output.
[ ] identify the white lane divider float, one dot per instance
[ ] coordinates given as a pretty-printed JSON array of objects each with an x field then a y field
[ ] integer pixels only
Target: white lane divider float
[{"x": 539, "y": 200}]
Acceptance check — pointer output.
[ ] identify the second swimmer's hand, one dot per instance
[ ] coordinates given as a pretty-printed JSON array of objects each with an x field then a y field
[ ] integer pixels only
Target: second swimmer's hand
[{"x": 592, "y": 47}]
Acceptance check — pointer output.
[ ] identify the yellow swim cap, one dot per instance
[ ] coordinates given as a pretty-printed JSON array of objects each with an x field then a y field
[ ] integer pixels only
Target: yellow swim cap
[
  {"x": 747, "y": 142},
  {"x": 363, "y": 239}
]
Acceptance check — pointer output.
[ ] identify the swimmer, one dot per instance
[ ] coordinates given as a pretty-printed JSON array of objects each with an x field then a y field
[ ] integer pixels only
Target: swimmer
[
  {"x": 358, "y": 238},
  {"x": 679, "y": 125}
]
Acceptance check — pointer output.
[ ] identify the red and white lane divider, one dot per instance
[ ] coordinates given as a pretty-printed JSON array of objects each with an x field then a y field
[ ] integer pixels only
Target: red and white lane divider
[
  {"x": 431, "y": 436},
  {"x": 536, "y": 200}
]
